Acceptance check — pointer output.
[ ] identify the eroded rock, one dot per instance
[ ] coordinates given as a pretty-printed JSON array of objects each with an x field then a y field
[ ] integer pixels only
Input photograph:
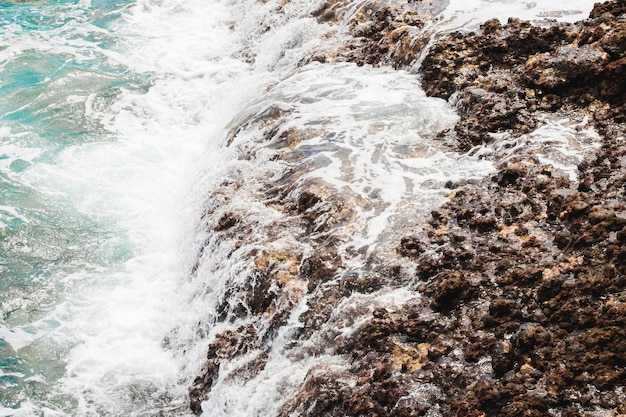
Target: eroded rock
[{"x": 521, "y": 276}]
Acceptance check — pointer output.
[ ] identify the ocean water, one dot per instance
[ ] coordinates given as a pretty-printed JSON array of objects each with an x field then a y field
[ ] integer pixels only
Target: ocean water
[{"x": 115, "y": 118}]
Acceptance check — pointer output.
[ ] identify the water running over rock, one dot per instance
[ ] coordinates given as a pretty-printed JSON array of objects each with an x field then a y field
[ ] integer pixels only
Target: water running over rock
[{"x": 345, "y": 297}]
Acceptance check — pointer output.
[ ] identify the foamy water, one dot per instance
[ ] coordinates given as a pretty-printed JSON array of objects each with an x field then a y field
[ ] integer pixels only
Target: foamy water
[
  {"x": 117, "y": 121},
  {"x": 469, "y": 14}
]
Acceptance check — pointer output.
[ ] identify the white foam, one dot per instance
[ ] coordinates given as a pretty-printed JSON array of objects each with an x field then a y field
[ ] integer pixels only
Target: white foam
[
  {"x": 469, "y": 14},
  {"x": 16, "y": 374},
  {"x": 26, "y": 410},
  {"x": 382, "y": 127},
  {"x": 15, "y": 157},
  {"x": 136, "y": 186},
  {"x": 16, "y": 338},
  {"x": 559, "y": 140}
]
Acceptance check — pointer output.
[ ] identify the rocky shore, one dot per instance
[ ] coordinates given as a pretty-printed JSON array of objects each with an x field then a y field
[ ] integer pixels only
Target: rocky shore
[{"x": 520, "y": 278}]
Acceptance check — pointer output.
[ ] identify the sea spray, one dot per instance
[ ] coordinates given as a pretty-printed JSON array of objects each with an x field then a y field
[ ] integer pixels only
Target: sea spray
[{"x": 97, "y": 144}]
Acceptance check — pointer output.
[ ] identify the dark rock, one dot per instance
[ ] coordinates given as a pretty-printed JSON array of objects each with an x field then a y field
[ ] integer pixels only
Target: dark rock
[
  {"x": 449, "y": 288},
  {"x": 525, "y": 270},
  {"x": 568, "y": 64},
  {"x": 502, "y": 75},
  {"x": 410, "y": 246},
  {"x": 227, "y": 221}
]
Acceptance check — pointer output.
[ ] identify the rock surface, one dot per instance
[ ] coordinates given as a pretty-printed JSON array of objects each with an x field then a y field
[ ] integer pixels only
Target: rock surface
[
  {"x": 502, "y": 77},
  {"x": 521, "y": 276}
]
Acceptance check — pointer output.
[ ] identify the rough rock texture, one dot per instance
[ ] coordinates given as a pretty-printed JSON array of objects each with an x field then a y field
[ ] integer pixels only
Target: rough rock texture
[
  {"x": 290, "y": 248},
  {"x": 502, "y": 77},
  {"x": 381, "y": 32},
  {"x": 533, "y": 266},
  {"x": 521, "y": 276}
]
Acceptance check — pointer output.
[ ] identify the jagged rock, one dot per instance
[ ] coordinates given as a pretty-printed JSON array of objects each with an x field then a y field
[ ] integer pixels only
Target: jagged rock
[
  {"x": 501, "y": 76},
  {"x": 521, "y": 276},
  {"x": 381, "y": 33}
]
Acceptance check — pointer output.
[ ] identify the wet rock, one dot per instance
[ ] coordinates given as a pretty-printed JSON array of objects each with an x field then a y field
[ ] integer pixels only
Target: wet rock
[
  {"x": 502, "y": 310},
  {"x": 519, "y": 278},
  {"x": 501, "y": 76},
  {"x": 386, "y": 36},
  {"x": 306, "y": 200},
  {"x": 502, "y": 359},
  {"x": 380, "y": 33},
  {"x": 410, "y": 246},
  {"x": 547, "y": 311},
  {"x": 529, "y": 406},
  {"x": 448, "y": 289},
  {"x": 614, "y": 8},
  {"x": 227, "y": 221},
  {"x": 510, "y": 173},
  {"x": 566, "y": 65},
  {"x": 227, "y": 346}
]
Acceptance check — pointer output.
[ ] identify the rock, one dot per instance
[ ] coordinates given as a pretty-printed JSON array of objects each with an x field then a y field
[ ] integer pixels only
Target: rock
[
  {"x": 500, "y": 76},
  {"x": 448, "y": 289},
  {"x": 566, "y": 65},
  {"x": 519, "y": 278},
  {"x": 410, "y": 246}
]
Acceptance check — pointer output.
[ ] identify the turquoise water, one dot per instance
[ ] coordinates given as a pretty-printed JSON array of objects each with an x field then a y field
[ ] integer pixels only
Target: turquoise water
[{"x": 56, "y": 79}]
